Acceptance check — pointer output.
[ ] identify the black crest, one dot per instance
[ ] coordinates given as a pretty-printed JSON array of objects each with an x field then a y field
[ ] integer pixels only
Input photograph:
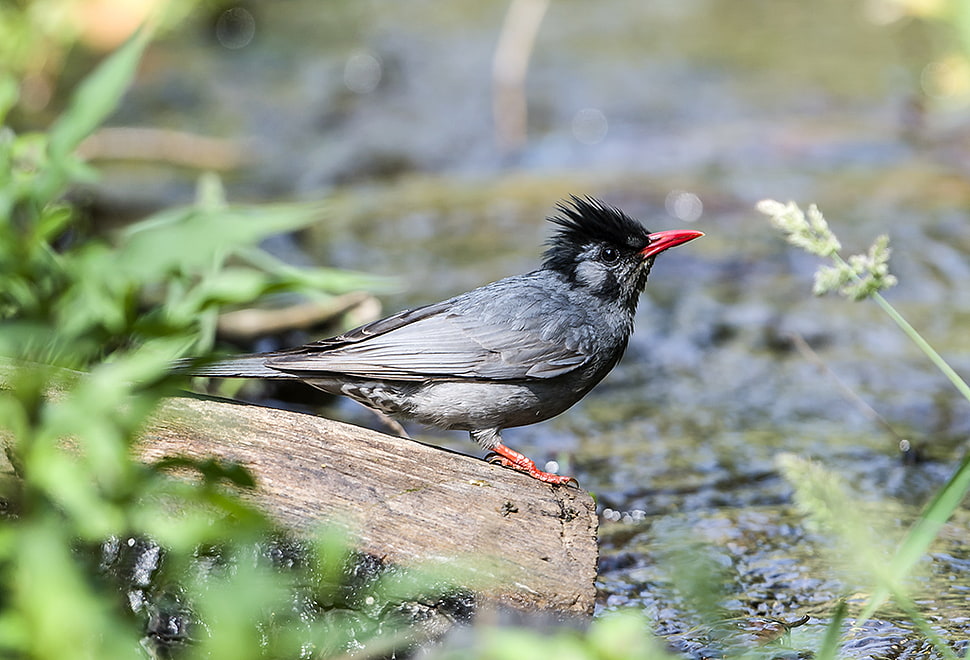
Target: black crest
[{"x": 585, "y": 220}]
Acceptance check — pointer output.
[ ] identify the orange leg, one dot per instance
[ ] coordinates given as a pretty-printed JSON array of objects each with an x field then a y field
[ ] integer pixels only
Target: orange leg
[{"x": 522, "y": 463}]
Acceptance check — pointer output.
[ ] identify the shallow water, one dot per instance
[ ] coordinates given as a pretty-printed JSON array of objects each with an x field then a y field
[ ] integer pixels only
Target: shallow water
[{"x": 674, "y": 111}]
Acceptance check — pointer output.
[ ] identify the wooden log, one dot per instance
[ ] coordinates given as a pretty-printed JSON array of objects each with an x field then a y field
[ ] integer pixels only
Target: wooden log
[{"x": 533, "y": 545}]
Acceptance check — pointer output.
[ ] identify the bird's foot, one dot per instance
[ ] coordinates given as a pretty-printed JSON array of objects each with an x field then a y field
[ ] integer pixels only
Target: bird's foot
[{"x": 510, "y": 458}]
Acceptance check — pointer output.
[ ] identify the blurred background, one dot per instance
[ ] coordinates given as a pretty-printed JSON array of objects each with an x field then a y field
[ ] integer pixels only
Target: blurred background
[{"x": 441, "y": 135}]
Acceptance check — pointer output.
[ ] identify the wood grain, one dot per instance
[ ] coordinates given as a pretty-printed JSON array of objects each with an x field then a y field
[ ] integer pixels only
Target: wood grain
[{"x": 531, "y": 545}]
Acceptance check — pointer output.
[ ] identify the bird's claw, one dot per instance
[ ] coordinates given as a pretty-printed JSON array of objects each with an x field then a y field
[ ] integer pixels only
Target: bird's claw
[
  {"x": 526, "y": 466},
  {"x": 555, "y": 479}
]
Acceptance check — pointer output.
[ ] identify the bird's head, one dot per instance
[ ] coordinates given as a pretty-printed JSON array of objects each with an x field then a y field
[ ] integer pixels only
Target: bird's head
[{"x": 603, "y": 250}]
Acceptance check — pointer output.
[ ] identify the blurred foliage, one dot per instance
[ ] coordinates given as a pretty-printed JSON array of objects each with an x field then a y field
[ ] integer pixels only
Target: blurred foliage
[
  {"x": 122, "y": 311},
  {"x": 946, "y": 77},
  {"x": 881, "y": 563},
  {"x": 873, "y": 559},
  {"x": 38, "y": 38},
  {"x": 615, "y": 636}
]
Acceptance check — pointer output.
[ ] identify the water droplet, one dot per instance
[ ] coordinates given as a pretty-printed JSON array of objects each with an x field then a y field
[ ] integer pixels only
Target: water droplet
[
  {"x": 684, "y": 205},
  {"x": 590, "y": 126},
  {"x": 235, "y": 28},
  {"x": 362, "y": 72}
]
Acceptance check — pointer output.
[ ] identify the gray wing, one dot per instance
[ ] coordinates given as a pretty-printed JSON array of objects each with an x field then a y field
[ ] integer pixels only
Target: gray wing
[{"x": 466, "y": 337}]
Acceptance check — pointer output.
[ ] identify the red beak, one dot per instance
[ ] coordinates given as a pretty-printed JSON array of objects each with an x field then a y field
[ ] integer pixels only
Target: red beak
[{"x": 664, "y": 240}]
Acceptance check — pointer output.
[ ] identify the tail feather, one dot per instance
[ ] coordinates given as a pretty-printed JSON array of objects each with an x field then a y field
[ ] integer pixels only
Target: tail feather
[{"x": 241, "y": 366}]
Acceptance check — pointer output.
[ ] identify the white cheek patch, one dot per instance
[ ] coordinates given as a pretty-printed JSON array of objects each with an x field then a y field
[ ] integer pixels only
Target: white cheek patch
[{"x": 589, "y": 273}]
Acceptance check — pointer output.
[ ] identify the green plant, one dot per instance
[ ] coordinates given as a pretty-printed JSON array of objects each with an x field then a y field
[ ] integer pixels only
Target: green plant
[
  {"x": 615, "y": 636},
  {"x": 818, "y": 491},
  {"x": 122, "y": 310}
]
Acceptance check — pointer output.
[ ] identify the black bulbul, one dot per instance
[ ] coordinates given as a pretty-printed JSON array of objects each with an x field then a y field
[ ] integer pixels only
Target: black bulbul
[{"x": 514, "y": 352}]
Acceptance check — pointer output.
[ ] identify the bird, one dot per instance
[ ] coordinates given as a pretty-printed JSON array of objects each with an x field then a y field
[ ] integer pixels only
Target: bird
[{"x": 514, "y": 352}]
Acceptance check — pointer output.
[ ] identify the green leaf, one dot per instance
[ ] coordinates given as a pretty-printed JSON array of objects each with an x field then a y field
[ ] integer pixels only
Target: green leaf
[
  {"x": 834, "y": 511},
  {"x": 97, "y": 96},
  {"x": 53, "y": 221},
  {"x": 624, "y": 636},
  {"x": 923, "y": 532},
  {"x": 961, "y": 22},
  {"x": 9, "y": 94},
  {"x": 833, "y": 633},
  {"x": 190, "y": 239},
  {"x": 319, "y": 279},
  {"x": 229, "y": 285},
  {"x": 234, "y": 606},
  {"x": 49, "y": 591},
  {"x": 212, "y": 470}
]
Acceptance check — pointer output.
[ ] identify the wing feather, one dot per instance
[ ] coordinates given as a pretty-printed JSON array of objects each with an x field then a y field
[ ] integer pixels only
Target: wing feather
[{"x": 471, "y": 336}]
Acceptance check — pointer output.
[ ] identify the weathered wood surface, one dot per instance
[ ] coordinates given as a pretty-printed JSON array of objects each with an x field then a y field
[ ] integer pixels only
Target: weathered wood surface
[{"x": 533, "y": 545}]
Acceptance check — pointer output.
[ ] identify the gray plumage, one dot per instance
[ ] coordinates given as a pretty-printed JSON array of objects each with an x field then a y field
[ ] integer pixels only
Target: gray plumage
[{"x": 517, "y": 351}]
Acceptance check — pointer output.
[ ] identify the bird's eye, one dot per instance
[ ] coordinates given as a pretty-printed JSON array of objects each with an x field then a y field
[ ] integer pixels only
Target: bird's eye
[{"x": 609, "y": 255}]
